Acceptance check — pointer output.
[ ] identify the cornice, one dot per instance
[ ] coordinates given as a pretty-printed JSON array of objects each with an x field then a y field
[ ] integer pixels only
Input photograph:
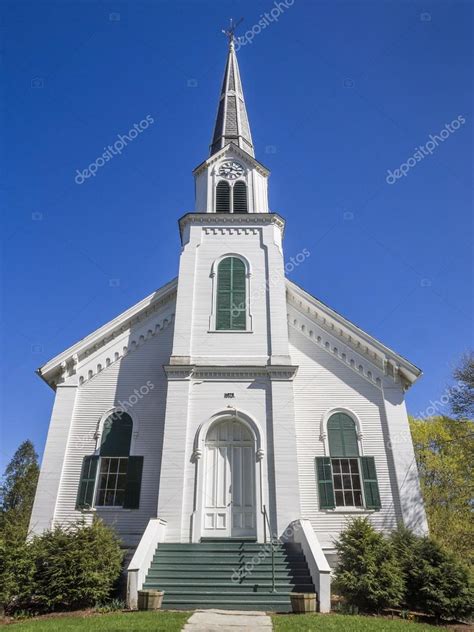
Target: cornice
[
  {"x": 133, "y": 344},
  {"x": 226, "y": 220},
  {"x": 65, "y": 364},
  {"x": 385, "y": 361},
  {"x": 195, "y": 372}
]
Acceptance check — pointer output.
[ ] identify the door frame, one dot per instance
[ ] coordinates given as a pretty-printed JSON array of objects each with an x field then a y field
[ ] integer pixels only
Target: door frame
[{"x": 197, "y": 458}]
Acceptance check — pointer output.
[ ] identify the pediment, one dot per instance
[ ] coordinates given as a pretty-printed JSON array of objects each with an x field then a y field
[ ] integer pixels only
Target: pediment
[
  {"x": 118, "y": 336},
  {"x": 232, "y": 151},
  {"x": 367, "y": 355}
]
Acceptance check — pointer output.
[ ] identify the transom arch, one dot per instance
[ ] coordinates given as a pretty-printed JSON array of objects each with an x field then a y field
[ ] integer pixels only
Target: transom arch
[
  {"x": 227, "y": 415},
  {"x": 107, "y": 415},
  {"x": 236, "y": 255},
  {"x": 328, "y": 415}
]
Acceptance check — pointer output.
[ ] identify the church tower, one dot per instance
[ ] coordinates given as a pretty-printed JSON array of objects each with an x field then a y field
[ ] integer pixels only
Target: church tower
[{"x": 230, "y": 359}]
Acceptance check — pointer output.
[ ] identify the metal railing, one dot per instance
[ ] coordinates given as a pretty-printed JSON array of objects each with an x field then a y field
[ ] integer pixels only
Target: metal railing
[{"x": 273, "y": 542}]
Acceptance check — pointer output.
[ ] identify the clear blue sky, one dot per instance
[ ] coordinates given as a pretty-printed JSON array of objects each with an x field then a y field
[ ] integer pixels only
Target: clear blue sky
[{"x": 337, "y": 94}]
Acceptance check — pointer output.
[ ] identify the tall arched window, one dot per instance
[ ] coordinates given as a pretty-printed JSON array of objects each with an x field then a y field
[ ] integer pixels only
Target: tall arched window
[
  {"x": 346, "y": 479},
  {"x": 240, "y": 197},
  {"x": 112, "y": 477},
  {"x": 231, "y": 308},
  {"x": 223, "y": 197},
  {"x": 344, "y": 451}
]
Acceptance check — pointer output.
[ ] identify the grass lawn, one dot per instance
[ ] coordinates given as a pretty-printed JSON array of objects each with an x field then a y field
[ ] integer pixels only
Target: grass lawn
[
  {"x": 344, "y": 623},
  {"x": 116, "y": 622}
]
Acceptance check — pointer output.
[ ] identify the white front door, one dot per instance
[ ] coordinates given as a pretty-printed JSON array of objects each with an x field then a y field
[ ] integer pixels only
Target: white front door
[{"x": 229, "y": 483}]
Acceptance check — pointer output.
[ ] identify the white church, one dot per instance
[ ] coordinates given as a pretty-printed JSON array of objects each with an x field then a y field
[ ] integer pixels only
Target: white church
[{"x": 229, "y": 424}]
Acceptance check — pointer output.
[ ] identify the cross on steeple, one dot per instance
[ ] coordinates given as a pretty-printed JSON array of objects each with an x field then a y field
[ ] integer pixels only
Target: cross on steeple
[{"x": 230, "y": 32}]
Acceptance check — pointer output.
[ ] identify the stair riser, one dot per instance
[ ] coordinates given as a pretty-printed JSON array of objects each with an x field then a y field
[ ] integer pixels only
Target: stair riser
[
  {"x": 228, "y": 575},
  {"x": 225, "y": 605},
  {"x": 225, "y": 577},
  {"x": 218, "y": 590},
  {"x": 229, "y": 565}
]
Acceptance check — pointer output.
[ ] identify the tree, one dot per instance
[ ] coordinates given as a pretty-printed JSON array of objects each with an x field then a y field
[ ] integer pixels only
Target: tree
[
  {"x": 444, "y": 450},
  {"x": 461, "y": 396},
  {"x": 17, "y": 491},
  {"x": 368, "y": 574}
]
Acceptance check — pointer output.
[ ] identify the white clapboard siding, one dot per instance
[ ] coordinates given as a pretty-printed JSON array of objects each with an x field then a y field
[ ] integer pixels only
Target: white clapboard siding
[
  {"x": 115, "y": 384},
  {"x": 324, "y": 382}
]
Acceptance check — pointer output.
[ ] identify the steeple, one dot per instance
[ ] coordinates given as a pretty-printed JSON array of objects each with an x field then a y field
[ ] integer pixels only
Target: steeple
[{"x": 232, "y": 124}]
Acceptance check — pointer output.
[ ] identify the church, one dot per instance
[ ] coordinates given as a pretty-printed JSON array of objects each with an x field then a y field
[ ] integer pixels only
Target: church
[{"x": 230, "y": 424}]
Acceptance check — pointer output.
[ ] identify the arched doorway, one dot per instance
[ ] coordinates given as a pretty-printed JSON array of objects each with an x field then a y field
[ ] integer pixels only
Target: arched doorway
[{"x": 229, "y": 501}]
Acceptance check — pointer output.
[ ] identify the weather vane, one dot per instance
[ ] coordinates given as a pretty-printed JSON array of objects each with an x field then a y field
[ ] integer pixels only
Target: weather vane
[{"x": 230, "y": 32}]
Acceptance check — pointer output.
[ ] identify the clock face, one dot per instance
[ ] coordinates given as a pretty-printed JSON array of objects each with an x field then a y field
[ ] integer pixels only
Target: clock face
[{"x": 231, "y": 170}]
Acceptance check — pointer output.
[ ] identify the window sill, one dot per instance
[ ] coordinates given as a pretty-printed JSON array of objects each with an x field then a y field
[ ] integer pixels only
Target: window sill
[
  {"x": 348, "y": 510},
  {"x": 229, "y": 331},
  {"x": 110, "y": 508}
]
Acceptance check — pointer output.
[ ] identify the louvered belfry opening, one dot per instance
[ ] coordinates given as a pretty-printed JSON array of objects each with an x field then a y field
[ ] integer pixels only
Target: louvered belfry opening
[
  {"x": 223, "y": 197},
  {"x": 240, "y": 197}
]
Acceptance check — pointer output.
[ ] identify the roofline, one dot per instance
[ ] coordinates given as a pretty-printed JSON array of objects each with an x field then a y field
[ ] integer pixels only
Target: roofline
[
  {"x": 215, "y": 156},
  {"x": 88, "y": 341},
  {"x": 404, "y": 362},
  {"x": 231, "y": 218}
]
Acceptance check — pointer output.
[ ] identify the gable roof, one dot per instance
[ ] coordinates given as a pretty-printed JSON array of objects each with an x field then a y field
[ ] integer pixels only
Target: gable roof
[
  {"x": 384, "y": 358},
  {"x": 66, "y": 360}
]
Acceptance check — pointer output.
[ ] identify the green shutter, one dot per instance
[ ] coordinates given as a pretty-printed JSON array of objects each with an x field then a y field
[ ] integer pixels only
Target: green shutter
[
  {"x": 371, "y": 486},
  {"x": 116, "y": 435},
  {"x": 325, "y": 485},
  {"x": 134, "y": 482},
  {"x": 342, "y": 436},
  {"x": 349, "y": 436},
  {"x": 230, "y": 303},
  {"x": 85, "y": 494}
]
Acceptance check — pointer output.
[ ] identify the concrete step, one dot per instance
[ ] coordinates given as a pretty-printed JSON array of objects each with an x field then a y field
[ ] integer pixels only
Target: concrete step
[{"x": 264, "y": 604}]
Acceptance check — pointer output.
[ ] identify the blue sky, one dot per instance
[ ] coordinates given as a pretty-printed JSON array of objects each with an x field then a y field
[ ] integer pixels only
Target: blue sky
[{"x": 337, "y": 93}]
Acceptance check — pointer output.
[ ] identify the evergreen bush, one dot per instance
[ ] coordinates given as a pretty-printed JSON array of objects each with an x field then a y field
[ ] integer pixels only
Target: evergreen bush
[
  {"x": 436, "y": 582},
  {"x": 368, "y": 575},
  {"x": 64, "y": 569}
]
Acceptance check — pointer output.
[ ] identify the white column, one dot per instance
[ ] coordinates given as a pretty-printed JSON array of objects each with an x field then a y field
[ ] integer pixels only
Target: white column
[
  {"x": 403, "y": 454},
  {"x": 42, "y": 516},
  {"x": 174, "y": 463},
  {"x": 287, "y": 492}
]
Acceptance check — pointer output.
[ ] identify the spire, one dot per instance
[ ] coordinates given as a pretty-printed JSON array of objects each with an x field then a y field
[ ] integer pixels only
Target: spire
[{"x": 232, "y": 124}]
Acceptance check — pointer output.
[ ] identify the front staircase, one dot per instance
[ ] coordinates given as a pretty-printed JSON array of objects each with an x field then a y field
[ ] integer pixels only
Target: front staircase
[{"x": 230, "y": 575}]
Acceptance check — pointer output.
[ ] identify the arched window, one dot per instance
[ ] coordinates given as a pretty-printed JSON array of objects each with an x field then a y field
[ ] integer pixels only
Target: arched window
[
  {"x": 223, "y": 197},
  {"x": 240, "y": 197},
  {"x": 112, "y": 477},
  {"x": 116, "y": 435},
  {"x": 231, "y": 309},
  {"x": 342, "y": 436},
  {"x": 346, "y": 479}
]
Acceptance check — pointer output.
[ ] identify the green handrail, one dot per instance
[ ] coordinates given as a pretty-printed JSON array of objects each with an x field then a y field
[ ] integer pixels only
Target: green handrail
[{"x": 272, "y": 542}]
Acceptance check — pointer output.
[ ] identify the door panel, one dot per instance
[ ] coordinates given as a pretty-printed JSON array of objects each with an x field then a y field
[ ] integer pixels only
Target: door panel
[{"x": 229, "y": 487}]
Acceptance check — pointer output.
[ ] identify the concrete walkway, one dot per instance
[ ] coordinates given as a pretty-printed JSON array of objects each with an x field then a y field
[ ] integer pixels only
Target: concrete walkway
[{"x": 228, "y": 621}]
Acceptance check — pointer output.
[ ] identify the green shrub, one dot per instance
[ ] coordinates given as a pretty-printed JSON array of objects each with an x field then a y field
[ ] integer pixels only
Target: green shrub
[
  {"x": 368, "y": 575},
  {"x": 66, "y": 569},
  {"x": 435, "y": 581}
]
